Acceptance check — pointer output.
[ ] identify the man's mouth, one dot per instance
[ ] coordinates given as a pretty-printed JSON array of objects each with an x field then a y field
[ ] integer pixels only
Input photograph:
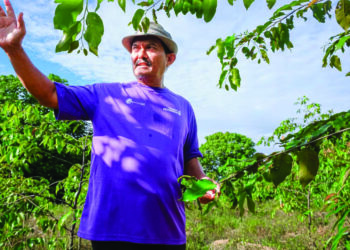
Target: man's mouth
[{"x": 142, "y": 63}]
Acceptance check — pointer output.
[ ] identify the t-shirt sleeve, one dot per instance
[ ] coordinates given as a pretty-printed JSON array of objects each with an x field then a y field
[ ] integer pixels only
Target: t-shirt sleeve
[
  {"x": 191, "y": 148},
  {"x": 75, "y": 102}
]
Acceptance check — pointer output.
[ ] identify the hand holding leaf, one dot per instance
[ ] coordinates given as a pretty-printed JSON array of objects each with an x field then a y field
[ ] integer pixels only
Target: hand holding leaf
[{"x": 204, "y": 189}]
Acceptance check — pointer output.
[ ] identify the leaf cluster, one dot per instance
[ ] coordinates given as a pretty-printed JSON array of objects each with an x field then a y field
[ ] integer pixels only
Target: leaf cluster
[
  {"x": 309, "y": 159},
  {"x": 38, "y": 156},
  {"x": 219, "y": 147}
]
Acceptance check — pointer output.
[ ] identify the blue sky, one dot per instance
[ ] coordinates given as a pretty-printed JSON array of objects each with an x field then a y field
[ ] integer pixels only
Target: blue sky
[{"x": 268, "y": 92}]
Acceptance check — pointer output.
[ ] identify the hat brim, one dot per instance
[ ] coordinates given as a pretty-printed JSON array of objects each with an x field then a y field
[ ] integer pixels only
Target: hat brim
[{"x": 169, "y": 43}]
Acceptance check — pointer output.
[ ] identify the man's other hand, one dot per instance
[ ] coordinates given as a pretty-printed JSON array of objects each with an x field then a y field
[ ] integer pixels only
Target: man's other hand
[{"x": 211, "y": 194}]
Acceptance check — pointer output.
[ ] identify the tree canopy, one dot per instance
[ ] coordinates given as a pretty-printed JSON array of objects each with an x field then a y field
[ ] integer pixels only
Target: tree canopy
[{"x": 219, "y": 147}]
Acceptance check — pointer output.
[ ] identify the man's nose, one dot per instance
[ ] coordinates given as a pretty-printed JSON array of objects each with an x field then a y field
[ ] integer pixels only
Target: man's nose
[{"x": 142, "y": 53}]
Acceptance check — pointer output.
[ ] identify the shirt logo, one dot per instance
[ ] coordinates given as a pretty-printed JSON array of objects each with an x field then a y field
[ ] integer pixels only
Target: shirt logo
[
  {"x": 175, "y": 111},
  {"x": 130, "y": 101}
]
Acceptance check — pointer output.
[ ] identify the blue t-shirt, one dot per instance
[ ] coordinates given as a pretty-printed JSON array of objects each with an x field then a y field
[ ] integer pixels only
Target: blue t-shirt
[{"x": 142, "y": 136}]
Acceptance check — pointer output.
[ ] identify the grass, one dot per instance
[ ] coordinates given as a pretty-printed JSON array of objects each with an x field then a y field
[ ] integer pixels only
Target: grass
[{"x": 222, "y": 228}]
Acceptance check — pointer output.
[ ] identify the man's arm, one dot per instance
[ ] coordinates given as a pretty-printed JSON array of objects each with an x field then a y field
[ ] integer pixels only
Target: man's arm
[
  {"x": 12, "y": 32},
  {"x": 194, "y": 168}
]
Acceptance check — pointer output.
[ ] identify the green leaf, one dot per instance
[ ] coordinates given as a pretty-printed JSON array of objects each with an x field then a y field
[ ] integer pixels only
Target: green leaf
[
  {"x": 341, "y": 42},
  {"x": 68, "y": 38},
  {"x": 178, "y": 6},
  {"x": 234, "y": 78},
  {"x": 154, "y": 16},
  {"x": 98, "y": 5},
  {"x": 211, "y": 49},
  {"x": 145, "y": 3},
  {"x": 94, "y": 31},
  {"x": 220, "y": 49},
  {"x": 231, "y": 1},
  {"x": 270, "y": 3},
  {"x": 342, "y": 14},
  {"x": 197, "y": 189},
  {"x": 73, "y": 46},
  {"x": 264, "y": 56},
  {"x": 348, "y": 74},
  {"x": 247, "y": 3},
  {"x": 62, "y": 221},
  {"x": 186, "y": 7},
  {"x": 222, "y": 77},
  {"x": 122, "y": 4},
  {"x": 335, "y": 62},
  {"x": 137, "y": 18},
  {"x": 66, "y": 13},
  {"x": 345, "y": 176},
  {"x": 209, "y": 9},
  {"x": 251, "y": 204},
  {"x": 145, "y": 24}
]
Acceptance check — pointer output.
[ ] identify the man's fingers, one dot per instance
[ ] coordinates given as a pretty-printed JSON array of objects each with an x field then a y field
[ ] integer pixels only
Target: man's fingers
[
  {"x": 20, "y": 22},
  {"x": 2, "y": 12},
  {"x": 9, "y": 9}
]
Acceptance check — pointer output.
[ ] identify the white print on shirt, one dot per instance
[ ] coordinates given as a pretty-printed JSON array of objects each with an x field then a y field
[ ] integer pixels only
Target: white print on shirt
[
  {"x": 178, "y": 112},
  {"x": 130, "y": 101}
]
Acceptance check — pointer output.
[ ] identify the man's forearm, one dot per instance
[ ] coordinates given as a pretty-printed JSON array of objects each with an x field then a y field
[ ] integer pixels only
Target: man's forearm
[
  {"x": 32, "y": 79},
  {"x": 194, "y": 168}
]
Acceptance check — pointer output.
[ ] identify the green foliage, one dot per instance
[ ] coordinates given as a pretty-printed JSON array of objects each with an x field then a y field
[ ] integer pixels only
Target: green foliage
[
  {"x": 307, "y": 142},
  {"x": 29, "y": 133},
  {"x": 94, "y": 31},
  {"x": 342, "y": 14},
  {"x": 38, "y": 156},
  {"x": 273, "y": 35},
  {"x": 209, "y": 9},
  {"x": 220, "y": 147},
  {"x": 137, "y": 18},
  {"x": 193, "y": 188},
  {"x": 90, "y": 26}
]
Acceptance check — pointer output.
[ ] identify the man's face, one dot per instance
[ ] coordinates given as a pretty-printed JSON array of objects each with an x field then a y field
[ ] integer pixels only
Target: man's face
[{"x": 149, "y": 59}]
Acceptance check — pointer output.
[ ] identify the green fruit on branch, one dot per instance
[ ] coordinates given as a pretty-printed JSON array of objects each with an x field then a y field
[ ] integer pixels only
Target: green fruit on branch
[
  {"x": 308, "y": 161},
  {"x": 281, "y": 168}
]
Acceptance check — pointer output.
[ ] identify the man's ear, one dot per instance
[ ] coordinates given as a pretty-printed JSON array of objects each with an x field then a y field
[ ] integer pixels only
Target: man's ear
[{"x": 170, "y": 59}]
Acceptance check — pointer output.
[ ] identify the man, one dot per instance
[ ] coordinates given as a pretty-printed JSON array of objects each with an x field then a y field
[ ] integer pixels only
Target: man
[{"x": 145, "y": 138}]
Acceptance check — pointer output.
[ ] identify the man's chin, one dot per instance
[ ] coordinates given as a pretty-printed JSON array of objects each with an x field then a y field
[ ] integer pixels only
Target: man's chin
[{"x": 141, "y": 73}]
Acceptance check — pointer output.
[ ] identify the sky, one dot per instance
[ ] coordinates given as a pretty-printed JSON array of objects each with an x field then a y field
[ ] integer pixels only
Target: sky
[{"x": 267, "y": 93}]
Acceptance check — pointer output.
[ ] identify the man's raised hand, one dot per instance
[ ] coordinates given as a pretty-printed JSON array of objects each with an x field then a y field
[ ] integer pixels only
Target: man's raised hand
[{"x": 12, "y": 30}]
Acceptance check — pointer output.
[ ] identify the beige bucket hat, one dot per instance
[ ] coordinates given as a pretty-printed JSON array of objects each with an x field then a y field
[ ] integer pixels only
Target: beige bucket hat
[{"x": 156, "y": 30}]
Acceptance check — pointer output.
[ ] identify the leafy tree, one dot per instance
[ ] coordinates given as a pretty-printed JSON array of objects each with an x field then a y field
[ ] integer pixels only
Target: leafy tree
[
  {"x": 22, "y": 129},
  {"x": 271, "y": 36},
  {"x": 42, "y": 164},
  {"x": 219, "y": 147},
  {"x": 281, "y": 175}
]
